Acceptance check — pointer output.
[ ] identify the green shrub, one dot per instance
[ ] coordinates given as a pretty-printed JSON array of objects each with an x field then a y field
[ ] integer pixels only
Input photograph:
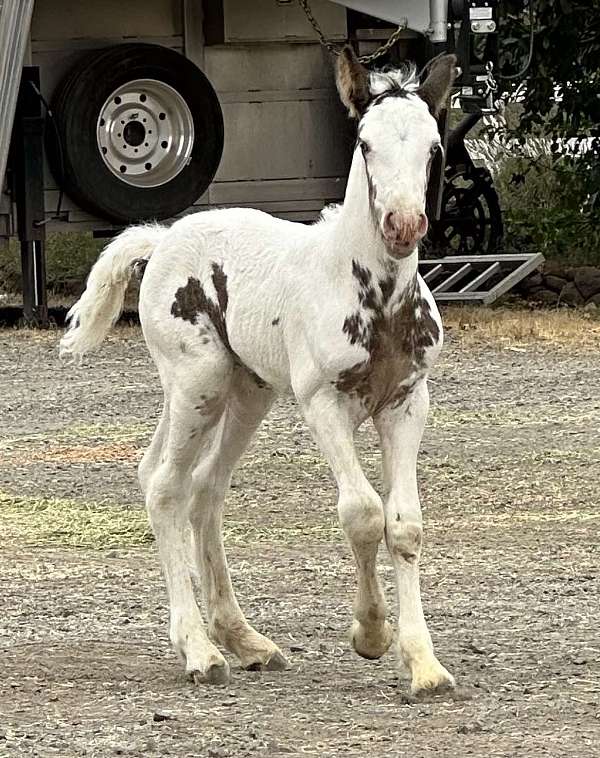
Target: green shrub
[
  {"x": 69, "y": 258},
  {"x": 544, "y": 203}
]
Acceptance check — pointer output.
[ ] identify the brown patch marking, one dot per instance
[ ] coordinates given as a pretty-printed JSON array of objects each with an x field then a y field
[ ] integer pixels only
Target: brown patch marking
[
  {"x": 395, "y": 337},
  {"x": 191, "y": 301}
]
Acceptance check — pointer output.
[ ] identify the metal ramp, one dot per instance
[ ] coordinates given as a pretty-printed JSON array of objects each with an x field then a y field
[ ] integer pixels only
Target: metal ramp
[
  {"x": 15, "y": 20},
  {"x": 476, "y": 278}
]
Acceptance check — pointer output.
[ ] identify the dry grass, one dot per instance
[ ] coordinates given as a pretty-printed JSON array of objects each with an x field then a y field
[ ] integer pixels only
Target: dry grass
[
  {"x": 509, "y": 327},
  {"x": 472, "y": 325},
  {"x": 117, "y": 453}
]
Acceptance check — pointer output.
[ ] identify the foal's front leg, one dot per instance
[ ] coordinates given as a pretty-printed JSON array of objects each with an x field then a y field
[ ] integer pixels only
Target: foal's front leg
[
  {"x": 400, "y": 430},
  {"x": 360, "y": 512}
]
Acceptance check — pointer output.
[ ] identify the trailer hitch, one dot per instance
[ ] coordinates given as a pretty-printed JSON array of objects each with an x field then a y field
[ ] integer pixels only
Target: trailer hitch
[{"x": 473, "y": 36}]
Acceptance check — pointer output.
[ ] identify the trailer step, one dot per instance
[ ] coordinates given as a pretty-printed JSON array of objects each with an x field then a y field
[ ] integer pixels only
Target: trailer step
[
  {"x": 15, "y": 20},
  {"x": 476, "y": 278}
]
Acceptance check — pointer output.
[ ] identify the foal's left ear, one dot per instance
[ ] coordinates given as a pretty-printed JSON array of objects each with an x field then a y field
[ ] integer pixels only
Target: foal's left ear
[
  {"x": 352, "y": 80},
  {"x": 436, "y": 88}
]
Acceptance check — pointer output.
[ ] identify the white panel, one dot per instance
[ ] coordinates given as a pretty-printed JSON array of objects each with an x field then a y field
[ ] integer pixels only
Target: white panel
[
  {"x": 268, "y": 67},
  {"x": 285, "y": 190},
  {"x": 269, "y": 21},
  {"x": 71, "y": 19},
  {"x": 284, "y": 139}
]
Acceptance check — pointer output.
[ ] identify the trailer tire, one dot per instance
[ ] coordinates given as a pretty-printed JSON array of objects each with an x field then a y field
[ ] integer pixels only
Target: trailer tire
[{"x": 139, "y": 133}]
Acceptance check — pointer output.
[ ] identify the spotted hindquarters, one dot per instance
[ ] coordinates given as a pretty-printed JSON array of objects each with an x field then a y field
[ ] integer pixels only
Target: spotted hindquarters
[{"x": 191, "y": 304}]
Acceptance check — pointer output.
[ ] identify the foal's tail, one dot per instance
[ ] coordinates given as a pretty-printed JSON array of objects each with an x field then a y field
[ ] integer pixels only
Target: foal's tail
[{"x": 98, "y": 309}]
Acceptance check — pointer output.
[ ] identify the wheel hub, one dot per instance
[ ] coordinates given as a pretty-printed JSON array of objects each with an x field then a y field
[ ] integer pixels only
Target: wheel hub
[{"x": 145, "y": 133}]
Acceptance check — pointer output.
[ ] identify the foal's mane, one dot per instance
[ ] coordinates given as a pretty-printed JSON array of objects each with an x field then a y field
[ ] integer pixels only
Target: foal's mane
[{"x": 393, "y": 82}]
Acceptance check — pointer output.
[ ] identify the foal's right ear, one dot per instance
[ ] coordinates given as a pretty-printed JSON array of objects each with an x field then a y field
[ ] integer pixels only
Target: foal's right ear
[{"x": 352, "y": 80}]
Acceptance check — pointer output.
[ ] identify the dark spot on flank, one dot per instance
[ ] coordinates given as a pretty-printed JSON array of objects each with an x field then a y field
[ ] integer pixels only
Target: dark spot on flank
[
  {"x": 397, "y": 517},
  {"x": 191, "y": 301},
  {"x": 275, "y": 321},
  {"x": 219, "y": 279}
]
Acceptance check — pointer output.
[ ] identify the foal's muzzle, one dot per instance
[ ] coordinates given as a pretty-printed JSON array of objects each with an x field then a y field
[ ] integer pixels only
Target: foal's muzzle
[{"x": 402, "y": 231}]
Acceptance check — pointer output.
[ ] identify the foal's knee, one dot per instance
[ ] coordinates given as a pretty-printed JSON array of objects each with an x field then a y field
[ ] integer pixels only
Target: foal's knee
[
  {"x": 404, "y": 539},
  {"x": 361, "y": 516}
]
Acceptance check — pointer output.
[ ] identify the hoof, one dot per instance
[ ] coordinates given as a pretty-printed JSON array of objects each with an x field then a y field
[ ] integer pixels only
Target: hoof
[
  {"x": 433, "y": 681},
  {"x": 369, "y": 645},
  {"x": 275, "y": 663},
  {"x": 444, "y": 694},
  {"x": 217, "y": 674}
]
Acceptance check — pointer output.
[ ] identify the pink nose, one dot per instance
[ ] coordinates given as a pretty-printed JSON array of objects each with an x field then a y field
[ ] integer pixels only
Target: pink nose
[{"x": 404, "y": 229}]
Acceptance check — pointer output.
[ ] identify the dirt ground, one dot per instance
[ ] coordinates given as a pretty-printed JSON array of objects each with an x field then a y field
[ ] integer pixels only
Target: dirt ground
[{"x": 509, "y": 476}]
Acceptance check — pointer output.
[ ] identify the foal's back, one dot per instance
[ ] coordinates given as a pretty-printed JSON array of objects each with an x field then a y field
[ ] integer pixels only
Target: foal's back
[{"x": 217, "y": 285}]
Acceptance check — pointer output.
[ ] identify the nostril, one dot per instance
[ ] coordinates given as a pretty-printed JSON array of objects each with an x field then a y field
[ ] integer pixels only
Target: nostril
[
  {"x": 389, "y": 227},
  {"x": 423, "y": 224}
]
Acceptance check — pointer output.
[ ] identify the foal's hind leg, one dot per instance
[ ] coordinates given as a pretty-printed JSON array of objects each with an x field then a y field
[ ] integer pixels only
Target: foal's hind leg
[
  {"x": 168, "y": 494},
  {"x": 247, "y": 405},
  {"x": 151, "y": 457}
]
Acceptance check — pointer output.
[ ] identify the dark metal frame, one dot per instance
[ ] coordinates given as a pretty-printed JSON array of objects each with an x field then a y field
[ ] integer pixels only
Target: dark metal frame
[{"x": 27, "y": 171}]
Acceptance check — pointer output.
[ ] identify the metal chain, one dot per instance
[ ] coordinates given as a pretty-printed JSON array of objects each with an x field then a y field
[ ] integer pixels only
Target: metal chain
[{"x": 334, "y": 50}]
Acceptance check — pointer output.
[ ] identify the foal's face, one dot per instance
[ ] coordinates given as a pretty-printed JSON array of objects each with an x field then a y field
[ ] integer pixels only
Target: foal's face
[{"x": 398, "y": 137}]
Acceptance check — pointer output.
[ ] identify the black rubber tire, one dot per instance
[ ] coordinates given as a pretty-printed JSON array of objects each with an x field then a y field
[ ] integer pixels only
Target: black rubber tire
[
  {"x": 77, "y": 163},
  {"x": 471, "y": 218}
]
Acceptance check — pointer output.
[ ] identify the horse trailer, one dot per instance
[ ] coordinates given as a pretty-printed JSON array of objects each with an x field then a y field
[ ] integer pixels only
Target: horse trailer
[{"x": 123, "y": 112}]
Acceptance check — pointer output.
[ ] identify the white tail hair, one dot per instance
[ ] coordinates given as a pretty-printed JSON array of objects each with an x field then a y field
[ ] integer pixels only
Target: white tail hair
[{"x": 98, "y": 309}]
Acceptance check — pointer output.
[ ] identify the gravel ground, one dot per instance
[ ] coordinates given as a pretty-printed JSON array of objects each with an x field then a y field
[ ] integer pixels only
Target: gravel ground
[{"x": 509, "y": 472}]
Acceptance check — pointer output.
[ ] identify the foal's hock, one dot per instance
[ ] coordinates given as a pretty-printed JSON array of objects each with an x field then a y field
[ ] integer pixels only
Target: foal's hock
[{"x": 236, "y": 307}]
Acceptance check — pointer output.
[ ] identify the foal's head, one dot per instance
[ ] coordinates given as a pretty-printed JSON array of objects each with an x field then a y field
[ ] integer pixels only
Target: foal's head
[{"x": 398, "y": 137}]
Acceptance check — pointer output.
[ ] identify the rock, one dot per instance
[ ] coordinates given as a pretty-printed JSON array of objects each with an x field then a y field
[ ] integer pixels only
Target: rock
[
  {"x": 571, "y": 295},
  {"x": 162, "y": 716},
  {"x": 547, "y": 297},
  {"x": 470, "y": 727},
  {"x": 532, "y": 282},
  {"x": 595, "y": 299},
  {"x": 476, "y": 648},
  {"x": 587, "y": 280},
  {"x": 554, "y": 283},
  {"x": 591, "y": 306},
  {"x": 554, "y": 268}
]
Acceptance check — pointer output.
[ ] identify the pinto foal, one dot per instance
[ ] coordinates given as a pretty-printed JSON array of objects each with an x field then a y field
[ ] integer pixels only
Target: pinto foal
[{"x": 237, "y": 306}]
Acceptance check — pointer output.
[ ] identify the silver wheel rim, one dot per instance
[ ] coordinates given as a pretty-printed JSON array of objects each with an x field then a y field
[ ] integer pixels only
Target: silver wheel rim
[{"x": 145, "y": 133}]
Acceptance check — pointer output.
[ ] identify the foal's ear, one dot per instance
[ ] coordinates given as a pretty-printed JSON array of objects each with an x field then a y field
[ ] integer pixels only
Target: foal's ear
[
  {"x": 352, "y": 80},
  {"x": 436, "y": 88}
]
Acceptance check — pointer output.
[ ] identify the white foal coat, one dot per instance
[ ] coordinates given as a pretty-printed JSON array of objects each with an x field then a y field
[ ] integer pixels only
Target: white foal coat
[{"x": 237, "y": 307}]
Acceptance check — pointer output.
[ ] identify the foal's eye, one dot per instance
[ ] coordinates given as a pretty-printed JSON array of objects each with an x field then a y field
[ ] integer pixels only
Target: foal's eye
[
  {"x": 364, "y": 146},
  {"x": 433, "y": 149}
]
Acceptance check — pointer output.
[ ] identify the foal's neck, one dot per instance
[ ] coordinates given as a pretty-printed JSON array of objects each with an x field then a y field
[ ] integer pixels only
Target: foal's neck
[{"x": 357, "y": 235}]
